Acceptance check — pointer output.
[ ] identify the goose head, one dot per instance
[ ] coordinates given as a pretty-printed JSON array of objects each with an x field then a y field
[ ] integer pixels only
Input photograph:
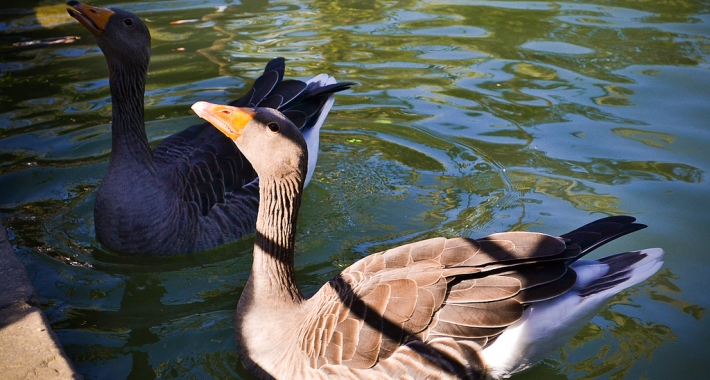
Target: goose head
[
  {"x": 270, "y": 141},
  {"x": 120, "y": 34}
]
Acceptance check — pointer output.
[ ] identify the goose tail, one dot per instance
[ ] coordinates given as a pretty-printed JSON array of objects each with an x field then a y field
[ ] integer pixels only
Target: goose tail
[
  {"x": 312, "y": 134},
  {"x": 548, "y": 325}
]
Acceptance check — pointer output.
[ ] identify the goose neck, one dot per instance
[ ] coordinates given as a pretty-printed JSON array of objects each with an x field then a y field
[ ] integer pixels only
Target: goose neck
[
  {"x": 129, "y": 139},
  {"x": 273, "y": 272}
]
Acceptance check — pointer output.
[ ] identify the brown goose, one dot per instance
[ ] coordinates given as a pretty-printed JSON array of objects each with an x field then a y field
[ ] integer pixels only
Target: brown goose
[
  {"x": 439, "y": 308},
  {"x": 194, "y": 190}
]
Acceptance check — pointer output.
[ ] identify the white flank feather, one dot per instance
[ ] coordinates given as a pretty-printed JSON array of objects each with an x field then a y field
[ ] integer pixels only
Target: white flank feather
[{"x": 312, "y": 136}]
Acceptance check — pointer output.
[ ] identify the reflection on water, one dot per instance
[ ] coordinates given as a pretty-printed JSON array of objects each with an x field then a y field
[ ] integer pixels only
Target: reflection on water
[{"x": 468, "y": 118}]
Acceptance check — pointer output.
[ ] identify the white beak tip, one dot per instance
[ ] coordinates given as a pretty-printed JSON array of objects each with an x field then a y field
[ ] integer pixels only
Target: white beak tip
[{"x": 200, "y": 107}]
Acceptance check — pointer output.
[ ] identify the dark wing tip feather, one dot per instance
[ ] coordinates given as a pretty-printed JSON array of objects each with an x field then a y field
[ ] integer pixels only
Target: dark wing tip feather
[
  {"x": 310, "y": 102},
  {"x": 548, "y": 290},
  {"x": 278, "y": 65},
  {"x": 272, "y": 91},
  {"x": 272, "y": 101},
  {"x": 289, "y": 90},
  {"x": 297, "y": 117},
  {"x": 263, "y": 86},
  {"x": 599, "y": 232}
]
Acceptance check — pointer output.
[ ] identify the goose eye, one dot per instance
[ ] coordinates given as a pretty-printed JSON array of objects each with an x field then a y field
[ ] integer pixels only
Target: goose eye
[
  {"x": 128, "y": 22},
  {"x": 273, "y": 127}
]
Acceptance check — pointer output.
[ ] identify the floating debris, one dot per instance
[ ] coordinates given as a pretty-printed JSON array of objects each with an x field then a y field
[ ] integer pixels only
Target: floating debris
[{"x": 178, "y": 22}]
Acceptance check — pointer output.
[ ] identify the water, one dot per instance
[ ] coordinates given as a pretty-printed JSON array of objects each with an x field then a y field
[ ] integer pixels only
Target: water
[{"x": 468, "y": 118}]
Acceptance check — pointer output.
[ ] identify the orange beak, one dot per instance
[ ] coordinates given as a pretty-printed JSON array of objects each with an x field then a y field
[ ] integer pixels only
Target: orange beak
[
  {"x": 229, "y": 120},
  {"x": 94, "y": 19}
]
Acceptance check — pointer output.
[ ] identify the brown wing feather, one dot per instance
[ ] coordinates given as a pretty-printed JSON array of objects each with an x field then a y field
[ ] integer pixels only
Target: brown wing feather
[
  {"x": 482, "y": 314},
  {"x": 381, "y": 300},
  {"x": 481, "y": 305},
  {"x": 549, "y": 289},
  {"x": 428, "y": 308},
  {"x": 485, "y": 289},
  {"x": 464, "y": 291},
  {"x": 402, "y": 300}
]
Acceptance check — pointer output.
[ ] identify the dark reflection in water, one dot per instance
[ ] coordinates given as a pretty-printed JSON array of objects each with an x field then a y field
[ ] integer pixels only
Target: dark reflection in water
[{"x": 469, "y": 118}]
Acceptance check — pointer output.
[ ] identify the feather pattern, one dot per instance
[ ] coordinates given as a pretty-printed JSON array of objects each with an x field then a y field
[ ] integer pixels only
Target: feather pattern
[
  {"x": 195, "y": 190},
  {"x": 456, "y": 308},
  {"x": 439, "y": 304}
]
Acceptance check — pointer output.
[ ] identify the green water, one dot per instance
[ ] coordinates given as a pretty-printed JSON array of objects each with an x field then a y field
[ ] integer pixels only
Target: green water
[{"x": 468, "y": 118}]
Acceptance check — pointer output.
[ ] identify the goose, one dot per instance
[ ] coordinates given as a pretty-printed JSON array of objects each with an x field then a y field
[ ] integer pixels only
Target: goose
[
  {"x": 440, "y": 308},
  {"x": 194, "y": 190}
]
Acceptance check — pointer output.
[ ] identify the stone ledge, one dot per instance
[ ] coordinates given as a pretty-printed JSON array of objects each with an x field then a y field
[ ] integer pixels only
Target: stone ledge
[{"x": 29, "y": 349}]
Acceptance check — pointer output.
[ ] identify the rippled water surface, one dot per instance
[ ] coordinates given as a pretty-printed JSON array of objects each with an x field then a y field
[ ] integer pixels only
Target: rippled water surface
[{"x": 468, "y": 118}]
